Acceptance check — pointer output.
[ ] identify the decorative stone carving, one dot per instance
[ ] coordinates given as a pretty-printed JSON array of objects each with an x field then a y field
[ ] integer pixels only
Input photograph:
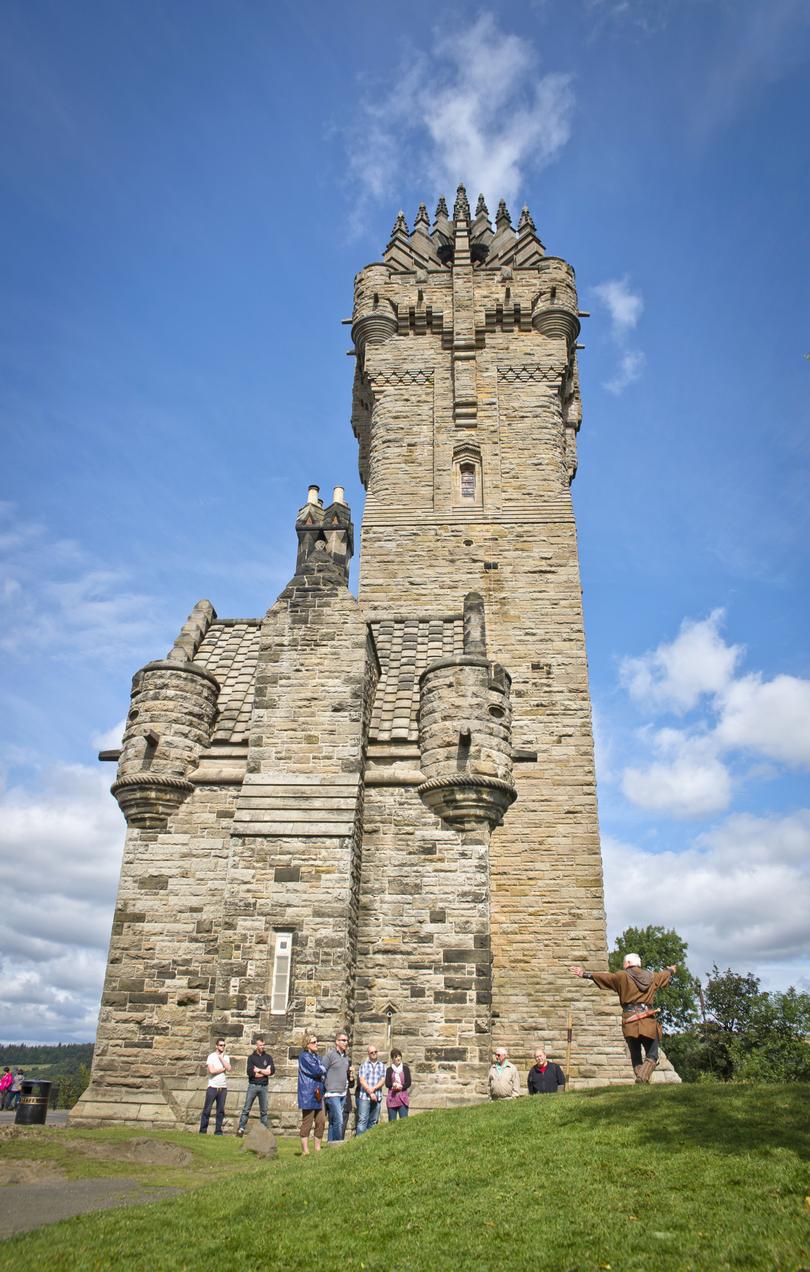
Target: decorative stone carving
[{"x": 533, "y": 372}]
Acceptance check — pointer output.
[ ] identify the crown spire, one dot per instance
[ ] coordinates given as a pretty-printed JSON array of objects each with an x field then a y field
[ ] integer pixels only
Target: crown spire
[{"x": 461, "y": 209}]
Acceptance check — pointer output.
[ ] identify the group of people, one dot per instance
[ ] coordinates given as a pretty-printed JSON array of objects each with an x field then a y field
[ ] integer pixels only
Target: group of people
[
  {"x": 325, "y": 1090},
  {"x": 545, "y": 1077},
  {"x": 325, "y": 1083},
  {"x": 10, "y": 1088}
]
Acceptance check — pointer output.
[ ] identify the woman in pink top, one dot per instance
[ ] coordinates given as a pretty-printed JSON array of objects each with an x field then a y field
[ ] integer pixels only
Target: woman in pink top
[{"x": 5, "y": 1087}]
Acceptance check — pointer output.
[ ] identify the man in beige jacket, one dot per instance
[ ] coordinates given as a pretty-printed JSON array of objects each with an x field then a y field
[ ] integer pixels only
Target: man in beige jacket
[{"x": 504, "y": 1082}]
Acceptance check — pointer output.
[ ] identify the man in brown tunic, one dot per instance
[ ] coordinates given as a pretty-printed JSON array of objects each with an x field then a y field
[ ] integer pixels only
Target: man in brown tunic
[{"x": 636, "y": 987}]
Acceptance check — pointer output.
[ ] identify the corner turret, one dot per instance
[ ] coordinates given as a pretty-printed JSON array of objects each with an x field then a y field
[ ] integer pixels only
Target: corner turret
[
  {"x": 465, "y": 731},
  {"x": 172, "y": 712}
]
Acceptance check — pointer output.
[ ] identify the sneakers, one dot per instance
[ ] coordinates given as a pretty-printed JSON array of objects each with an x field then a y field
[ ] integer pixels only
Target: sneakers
[{"x": 240, "y": 1131}]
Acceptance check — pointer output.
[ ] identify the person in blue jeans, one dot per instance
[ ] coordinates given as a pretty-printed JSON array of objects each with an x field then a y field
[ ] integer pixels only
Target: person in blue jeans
[
  {"x": 370, "y": 1082},
  {"x": 260, "y": 1068},
  {"x": 219, "y": 1066},
  {"x": 336, "y": 1082}
]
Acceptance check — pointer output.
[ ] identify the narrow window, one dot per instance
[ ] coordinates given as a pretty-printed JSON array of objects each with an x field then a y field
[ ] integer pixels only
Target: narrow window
[
  {"x": 280, "y": 988},
  {"x": 467, "y": 472}
]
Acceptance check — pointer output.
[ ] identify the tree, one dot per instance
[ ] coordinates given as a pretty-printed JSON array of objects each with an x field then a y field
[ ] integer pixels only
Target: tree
[
  {"x": 730, "y": 999},
  {"x": 746, "y": 1034},
  {"x": 659, "y": 947}
]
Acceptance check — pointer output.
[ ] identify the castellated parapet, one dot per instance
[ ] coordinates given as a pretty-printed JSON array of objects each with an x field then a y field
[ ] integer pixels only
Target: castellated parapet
[{"x": 380, "y": 813}]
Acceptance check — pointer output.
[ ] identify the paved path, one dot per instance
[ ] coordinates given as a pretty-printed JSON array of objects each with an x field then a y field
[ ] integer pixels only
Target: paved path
[
  {"x": 34, "y": 1205},
  {"x": 56, "y": 1117}
]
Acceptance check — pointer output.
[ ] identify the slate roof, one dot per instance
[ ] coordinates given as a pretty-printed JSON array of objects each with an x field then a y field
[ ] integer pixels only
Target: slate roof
[
  {"x": 405, "y": 647},
  {"x": 230, "y": 651}
]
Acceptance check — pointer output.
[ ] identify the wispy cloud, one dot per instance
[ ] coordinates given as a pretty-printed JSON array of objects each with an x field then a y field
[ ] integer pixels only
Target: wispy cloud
[
  {"x": 624, "y": 307},
  {"x": 631, "y": 366},
  {"x": 55, "y": 595},
  {"x": 764, "y": 43},
  {"x": 473, "y": 107}
]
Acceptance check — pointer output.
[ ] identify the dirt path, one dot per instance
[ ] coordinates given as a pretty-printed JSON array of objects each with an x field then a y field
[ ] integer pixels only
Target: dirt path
[{"x": 34, "y": 1205}]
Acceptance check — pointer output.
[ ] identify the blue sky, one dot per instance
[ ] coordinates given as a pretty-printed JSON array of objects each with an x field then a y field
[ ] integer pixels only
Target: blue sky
[{"x": 187, "y": 191}]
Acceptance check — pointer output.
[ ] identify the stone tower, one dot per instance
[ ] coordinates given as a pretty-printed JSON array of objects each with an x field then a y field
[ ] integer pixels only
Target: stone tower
[{"x": 381, "y": 812}]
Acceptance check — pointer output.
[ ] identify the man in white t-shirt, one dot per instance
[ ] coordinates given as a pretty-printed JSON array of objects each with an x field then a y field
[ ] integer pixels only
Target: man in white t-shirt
[{"x": 219, "y": 1066}]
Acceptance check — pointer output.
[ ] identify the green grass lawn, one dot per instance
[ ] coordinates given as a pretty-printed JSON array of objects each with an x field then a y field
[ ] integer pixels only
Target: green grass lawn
[
  {"x": 633, "y": 1178},
  {"x": 62, "y": 1148}
]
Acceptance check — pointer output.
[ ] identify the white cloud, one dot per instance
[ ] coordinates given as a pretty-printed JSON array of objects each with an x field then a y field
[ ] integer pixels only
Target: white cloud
[
  {"x": 629, "y": 370},
  {"x": 770, "y": 717},
  {"x": 739, "y": 895},
  {"x": 61, "y": 846},
  {"x": 624, "y": 306},
  {"x": 691, "y": 771},
  {"x": 677, "y": 674},
  {"x": 688, "y": 780},
  {"x": 474, "y": 108},
  {"x": 54, "y": 596},
  {"x": 111, "y": 738}
]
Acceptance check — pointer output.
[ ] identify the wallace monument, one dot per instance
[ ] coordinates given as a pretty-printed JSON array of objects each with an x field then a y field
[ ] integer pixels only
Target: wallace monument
[{"x": 380, "y": 813}]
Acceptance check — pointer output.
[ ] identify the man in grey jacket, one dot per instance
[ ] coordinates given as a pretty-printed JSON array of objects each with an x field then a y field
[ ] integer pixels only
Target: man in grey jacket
[{"x": 336, "y": 1084}]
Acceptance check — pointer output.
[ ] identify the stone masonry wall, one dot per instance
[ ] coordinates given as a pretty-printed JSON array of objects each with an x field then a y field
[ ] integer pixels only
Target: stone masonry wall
[
  {"x": 518, "y": 549},
  {"x": 157, "y": 1001},
  {"x": 423, "y": 947},
  {"x": 294, "y": 861}
]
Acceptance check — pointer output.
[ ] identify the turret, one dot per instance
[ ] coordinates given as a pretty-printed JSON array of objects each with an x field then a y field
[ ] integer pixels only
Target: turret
[
  {"x": 465, "y": 731},
  {"x": 172, "y": 711}
]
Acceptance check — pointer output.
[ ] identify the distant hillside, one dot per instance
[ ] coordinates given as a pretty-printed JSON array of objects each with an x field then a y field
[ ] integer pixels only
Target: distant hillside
[{"x": 62, "y": 1060}]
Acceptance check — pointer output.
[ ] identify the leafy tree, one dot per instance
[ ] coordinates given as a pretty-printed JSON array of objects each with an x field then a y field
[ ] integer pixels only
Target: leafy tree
[
  {"x": 745, "y": 1034},
  {"x": 730, "y": 999},
  {"x": 73, "y": 1086},
  {"x": 659, "y": 947}
]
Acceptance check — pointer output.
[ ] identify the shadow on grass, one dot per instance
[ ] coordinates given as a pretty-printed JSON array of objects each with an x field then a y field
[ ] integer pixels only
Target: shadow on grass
[{"x": 728, "y": 1119}]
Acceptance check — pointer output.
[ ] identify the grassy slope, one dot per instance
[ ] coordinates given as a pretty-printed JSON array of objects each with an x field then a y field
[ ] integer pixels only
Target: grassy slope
[{"x": 668, "y": 1178}]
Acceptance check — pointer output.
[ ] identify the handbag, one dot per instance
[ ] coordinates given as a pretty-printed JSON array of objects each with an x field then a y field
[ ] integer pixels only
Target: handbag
[{"x": 317, "y": 1094}]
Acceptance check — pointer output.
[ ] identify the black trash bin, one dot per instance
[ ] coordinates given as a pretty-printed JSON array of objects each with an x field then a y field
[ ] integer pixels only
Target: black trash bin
[{"x": 33, "y": 1106}]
